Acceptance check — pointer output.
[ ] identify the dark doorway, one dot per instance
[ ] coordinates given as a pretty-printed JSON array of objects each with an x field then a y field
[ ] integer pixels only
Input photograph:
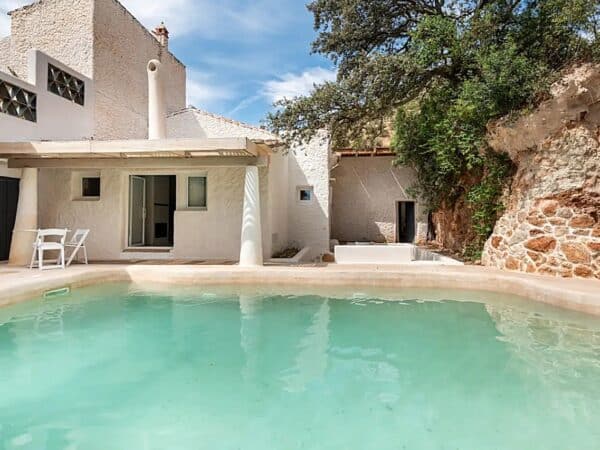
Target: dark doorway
[
  {"x": 405, "y": 221},
  {"x": 9, "y": 196},
  {"x": 151, "y": 210}
]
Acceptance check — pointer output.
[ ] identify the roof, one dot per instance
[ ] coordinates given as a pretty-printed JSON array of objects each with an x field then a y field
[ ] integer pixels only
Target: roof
[{"x": 231, "y": 127}]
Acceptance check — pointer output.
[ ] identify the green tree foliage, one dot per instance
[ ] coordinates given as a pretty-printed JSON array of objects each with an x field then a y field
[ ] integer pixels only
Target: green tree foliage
[{"x": 445, "y": 68}]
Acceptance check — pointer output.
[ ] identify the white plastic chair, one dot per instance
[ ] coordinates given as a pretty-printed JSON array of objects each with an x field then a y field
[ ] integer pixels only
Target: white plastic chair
[
  {"x": 77, "y": 242},
  {"x": 40, "y": 245}
]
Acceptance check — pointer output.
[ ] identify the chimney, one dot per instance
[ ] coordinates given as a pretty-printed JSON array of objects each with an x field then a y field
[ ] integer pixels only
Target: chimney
[
  {"x": 162, "y": 34},
  {"x": 157, "y": 117}
]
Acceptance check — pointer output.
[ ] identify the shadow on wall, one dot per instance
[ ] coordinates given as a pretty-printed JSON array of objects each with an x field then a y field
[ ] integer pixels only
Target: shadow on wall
[
  {"x": 308, "y": 215},
  {"x": 365, "y": 192}
]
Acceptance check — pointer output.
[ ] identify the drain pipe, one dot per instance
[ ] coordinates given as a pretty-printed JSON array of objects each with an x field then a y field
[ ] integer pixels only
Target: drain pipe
[{"x": 157, "y": 126}]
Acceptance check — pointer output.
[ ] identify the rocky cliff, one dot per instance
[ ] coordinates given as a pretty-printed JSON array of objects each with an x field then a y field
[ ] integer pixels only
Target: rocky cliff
[{"x": 551, "y": 224}]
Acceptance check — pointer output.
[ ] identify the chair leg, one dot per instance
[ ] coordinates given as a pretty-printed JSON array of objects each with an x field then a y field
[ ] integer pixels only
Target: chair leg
[
  {"x": 40, "y": 259},
  {"x": 85, "y": 255},
  {"x": 32, "y": 258},
  {"x": 62, "y": 257}
]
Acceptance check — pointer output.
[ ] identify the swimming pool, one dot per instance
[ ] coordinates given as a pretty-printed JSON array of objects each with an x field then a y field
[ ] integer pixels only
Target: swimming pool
[{"x": 123, "y": 366}]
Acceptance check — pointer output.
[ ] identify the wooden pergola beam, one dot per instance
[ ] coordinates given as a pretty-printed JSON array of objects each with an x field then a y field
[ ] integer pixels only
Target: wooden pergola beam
[
  {"x": 137, "y": 163},
  {"x": 171, "y": 147}
]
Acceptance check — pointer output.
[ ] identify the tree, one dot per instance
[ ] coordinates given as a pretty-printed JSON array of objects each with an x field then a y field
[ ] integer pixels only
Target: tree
[{"x": 444, "y": 69}]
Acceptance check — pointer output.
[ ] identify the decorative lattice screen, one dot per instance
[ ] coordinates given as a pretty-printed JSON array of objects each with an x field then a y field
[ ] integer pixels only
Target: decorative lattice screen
[
  {"x": 66, "y": 85},
  {"x": 17, "y": 102}
]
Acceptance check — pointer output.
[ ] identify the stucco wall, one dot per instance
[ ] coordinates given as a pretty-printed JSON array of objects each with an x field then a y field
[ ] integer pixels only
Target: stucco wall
[
  {"x": 57, "y": 208},
  {"x": 57, "y": 117},
  {"x": 277, "y": 208},
  {"x": 4, "y": 53},
  {"x": 103, "y": 41},
  {"x": 213, "y": 233},
  {"x": 193, "y": 122},
  {"x": 60, "y": 28},
  {"x": 6, "y": 172},
  {"x": 308, "y": 222},
  {"x": 122, "y": 49},
  {"x": 216, "y": 232},
  {"x": 365, "y": 191}
]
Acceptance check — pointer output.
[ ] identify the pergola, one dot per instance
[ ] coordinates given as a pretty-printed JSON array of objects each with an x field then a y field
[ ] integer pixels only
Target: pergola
[
  {"x": 158, "y": 153},
  {"x": 138, "y": 154}
]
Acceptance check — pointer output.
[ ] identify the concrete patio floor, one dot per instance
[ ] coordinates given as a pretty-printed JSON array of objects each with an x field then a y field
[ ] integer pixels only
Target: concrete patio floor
[{"x": 18, "y": 284}]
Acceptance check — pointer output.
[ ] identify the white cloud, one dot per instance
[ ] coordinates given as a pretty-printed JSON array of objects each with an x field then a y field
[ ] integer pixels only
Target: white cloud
[
  {"x": 293, "y": 85},
  {"x": 204, "y": 91},
  {"x": 223, "y": 19}
]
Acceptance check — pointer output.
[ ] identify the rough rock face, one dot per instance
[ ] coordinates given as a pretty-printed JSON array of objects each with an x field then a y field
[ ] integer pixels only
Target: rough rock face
[{"x": 552, "y": 221}]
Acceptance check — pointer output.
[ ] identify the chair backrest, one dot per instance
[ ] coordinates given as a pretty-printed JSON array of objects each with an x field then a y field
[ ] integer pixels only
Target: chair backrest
[
  {"x": 59, "y": 233},
  {"x": 79, "y": 236}
]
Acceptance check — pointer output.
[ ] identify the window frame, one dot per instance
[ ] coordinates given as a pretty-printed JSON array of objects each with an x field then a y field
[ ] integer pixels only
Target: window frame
[
  {"x": 310, "y": 190},
  {"x": 82, "y": 186},
  {"x": 187, "y": 191}
]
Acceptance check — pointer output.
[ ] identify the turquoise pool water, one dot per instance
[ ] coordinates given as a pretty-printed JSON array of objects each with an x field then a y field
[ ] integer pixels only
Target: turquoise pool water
[{"x": 117, "y": 367}]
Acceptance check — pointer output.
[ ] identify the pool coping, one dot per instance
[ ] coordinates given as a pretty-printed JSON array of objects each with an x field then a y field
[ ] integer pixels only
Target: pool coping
[{"x": 19, "y": 284}]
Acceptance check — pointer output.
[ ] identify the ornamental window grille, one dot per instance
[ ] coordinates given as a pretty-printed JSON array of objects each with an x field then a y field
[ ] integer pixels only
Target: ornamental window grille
[
  {"x": 66, "y": 85},
  {"x": 17, "y": 102}
]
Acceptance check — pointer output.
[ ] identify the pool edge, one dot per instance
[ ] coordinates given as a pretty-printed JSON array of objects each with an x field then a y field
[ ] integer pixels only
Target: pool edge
[{"x": 17, "y": 285}]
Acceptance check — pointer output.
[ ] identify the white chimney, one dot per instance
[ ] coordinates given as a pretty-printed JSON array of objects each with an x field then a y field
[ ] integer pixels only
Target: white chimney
[
  {"x": 162, "y": 35},
  {"x": 157, "y": 117}
]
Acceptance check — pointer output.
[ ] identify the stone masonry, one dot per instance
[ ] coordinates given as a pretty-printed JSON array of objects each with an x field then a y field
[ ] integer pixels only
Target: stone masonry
[{"x": 552, "y": 221}]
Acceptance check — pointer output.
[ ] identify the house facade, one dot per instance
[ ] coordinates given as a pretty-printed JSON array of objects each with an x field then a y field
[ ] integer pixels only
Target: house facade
[{"x": 94, "y": 126}]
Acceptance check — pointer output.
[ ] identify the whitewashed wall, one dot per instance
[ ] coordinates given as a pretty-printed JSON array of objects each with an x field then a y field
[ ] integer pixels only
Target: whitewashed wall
[
  {"x": 365, "y": 192},
  {"x": 6, "y": 172},
  {"x": 106, "y": 217},
  {"x": 59, "y": 28},
  {"x": 277, "y": 208},
  {"x": 308, "y": 223},
  {"x": 103, "y": 41},
  {"x": 122, "y": 48},
  {"x": 212, "y": 233},
  {"x": 216, "y": 232},
  {"x": 193, "y": 122},
  {"x": 57, "y": 117}
]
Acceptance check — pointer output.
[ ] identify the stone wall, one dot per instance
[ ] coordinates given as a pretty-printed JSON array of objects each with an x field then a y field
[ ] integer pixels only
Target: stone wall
[{"x": 552, "y": 222}]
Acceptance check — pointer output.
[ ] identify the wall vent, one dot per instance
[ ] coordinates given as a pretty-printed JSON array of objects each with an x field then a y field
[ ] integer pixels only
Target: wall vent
[
  {"x": 17, "y": 102},
  {"x": 66, "y": 85}
]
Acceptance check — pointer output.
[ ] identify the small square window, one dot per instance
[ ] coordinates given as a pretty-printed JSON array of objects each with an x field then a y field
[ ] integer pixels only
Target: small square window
[
  {"x": 305, "y": 194},
  {"x": 196, "y": 192},
  {"x": 90, "y": 187}
]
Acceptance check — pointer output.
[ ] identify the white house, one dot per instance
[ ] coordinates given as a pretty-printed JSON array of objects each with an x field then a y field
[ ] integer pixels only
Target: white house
[{"x": 93, "y": 123}]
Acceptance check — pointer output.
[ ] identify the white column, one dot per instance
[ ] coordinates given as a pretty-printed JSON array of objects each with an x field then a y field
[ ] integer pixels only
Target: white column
[
  {"x": 26, "y": 219},
  {"x": 251, "y": 253}
]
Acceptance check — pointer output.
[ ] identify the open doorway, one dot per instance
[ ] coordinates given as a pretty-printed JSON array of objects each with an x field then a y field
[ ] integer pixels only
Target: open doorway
[
  {"x": 9, "y": 196},
  {"x": 151, "y": 210},
  {"x": 405, "y": 222}
]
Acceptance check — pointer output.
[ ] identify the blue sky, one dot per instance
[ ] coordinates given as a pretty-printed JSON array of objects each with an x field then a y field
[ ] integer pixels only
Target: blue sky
[{"x": 241, "y": 55}]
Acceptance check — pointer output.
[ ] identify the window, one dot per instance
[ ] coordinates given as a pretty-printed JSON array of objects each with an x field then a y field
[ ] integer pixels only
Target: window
[
  {"x": 196, "y": 192},
  {"x": 90, "y": 187},
  {"x": 305, "y": 194},
  {"x": 17, "y": 102},
  {"x": 65, "y": 85}
]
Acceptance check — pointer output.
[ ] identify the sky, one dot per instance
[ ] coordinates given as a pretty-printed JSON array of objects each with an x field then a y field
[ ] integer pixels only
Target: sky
[{"x": 241, "y": 55}]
